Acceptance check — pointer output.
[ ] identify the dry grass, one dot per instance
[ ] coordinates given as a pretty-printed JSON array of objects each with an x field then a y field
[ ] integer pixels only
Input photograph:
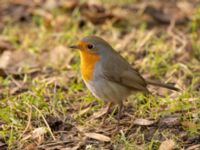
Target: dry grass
[{"x": 44, "y": 103}]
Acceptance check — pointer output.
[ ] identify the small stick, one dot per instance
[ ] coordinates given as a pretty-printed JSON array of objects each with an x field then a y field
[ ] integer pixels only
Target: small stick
[{"x": 48, "y": 127}]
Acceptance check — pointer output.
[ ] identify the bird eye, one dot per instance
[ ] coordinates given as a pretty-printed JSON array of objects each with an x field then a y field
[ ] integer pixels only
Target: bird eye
[{"x": 90, "y": 46}]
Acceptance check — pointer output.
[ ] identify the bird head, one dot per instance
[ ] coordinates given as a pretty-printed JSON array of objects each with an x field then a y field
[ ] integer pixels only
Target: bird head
[{"x": 92, "y": 45}]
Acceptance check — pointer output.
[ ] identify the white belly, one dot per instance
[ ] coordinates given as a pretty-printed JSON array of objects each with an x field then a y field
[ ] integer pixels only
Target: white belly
[{"x": 107, "y": 90}]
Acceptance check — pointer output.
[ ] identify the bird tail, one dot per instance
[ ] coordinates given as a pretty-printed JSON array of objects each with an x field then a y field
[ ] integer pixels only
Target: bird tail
[{"x": 157, "y": 83}]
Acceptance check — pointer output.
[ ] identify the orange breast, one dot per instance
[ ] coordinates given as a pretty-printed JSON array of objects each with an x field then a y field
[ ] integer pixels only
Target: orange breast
[{"x": 88, "y": 61}]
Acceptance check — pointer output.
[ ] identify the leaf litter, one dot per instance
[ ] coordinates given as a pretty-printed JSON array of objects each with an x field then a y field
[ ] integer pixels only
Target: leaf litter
[{"x": 53, "y": 66}]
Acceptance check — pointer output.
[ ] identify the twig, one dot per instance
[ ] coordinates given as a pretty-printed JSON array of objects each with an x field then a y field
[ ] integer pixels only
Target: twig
[{"x": 48, "y": 127}]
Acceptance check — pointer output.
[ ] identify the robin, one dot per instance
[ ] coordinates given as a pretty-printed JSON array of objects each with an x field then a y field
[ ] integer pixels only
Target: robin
[{"x": 108, "y": 75}]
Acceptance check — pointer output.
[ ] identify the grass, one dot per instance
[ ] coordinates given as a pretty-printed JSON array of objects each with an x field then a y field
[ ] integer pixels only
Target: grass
[{"x": 57, "y": 90}]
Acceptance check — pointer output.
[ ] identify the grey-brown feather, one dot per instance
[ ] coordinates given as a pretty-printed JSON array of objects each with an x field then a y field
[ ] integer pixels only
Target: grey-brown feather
[
  {"x": 115, "y": 68},
  {"x": 122, "y": 73}
]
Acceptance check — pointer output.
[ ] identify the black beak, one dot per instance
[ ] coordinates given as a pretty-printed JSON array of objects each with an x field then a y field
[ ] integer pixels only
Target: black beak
[{"x": 74, "y": 47}]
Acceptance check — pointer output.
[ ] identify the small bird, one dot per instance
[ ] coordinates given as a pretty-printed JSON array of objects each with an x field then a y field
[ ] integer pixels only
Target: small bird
[{"x": 108, "y": 75}]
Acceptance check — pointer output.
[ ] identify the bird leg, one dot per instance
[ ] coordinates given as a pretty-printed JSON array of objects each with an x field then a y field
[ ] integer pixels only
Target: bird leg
[
  {"x": 120, "y": 108},
  {"x": 108, "y": 107}
]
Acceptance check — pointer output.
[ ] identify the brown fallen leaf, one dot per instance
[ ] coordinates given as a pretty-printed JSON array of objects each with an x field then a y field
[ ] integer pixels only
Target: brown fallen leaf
[
  {"x": 79, "y": 144},
  {"x": 5, "y": 45},
  {"x": 2, "y": 25},
  {"x": 100, "y": 113},
  {"x": 50, "y": 4},
  {"x": 97, "y": 18},
  {"x": 3, "y": 73},
  {"x": 186, "y": 7},
  {"x": 31, "y": 146},
  {"x": 69, "y": 144},
  {"x": 59, "y": 22},
  {"x": 5, "y": 59},
  {"x": 194, "y": 147},
  {"x": 171, "y": 120},
  {"x": 69, "y": 4},
  {"x": 167, "y": 145},
  {"x": 189, "y": 124},
  {"x": 18, "y": 12},
  {"x": 144, "y": 122},
  {"x": 22, "y": 2},
  {"x": 20, "y": 88},
  {"x": 167, "y": 12},
  {"x": 95, "y": 12},
  {"x": 97, "y": 136},
  {"x": 37, "y": 134},
  {"x": 60, "y": 56}
]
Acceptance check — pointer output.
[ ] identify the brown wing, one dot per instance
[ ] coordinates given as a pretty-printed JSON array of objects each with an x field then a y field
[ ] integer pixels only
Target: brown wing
[{"x": 122, "y": 73}]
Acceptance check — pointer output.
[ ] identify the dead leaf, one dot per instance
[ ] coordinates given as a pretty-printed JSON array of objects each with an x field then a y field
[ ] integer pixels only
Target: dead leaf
[
  {"x": 60, "y": 56},
  {"x": 189, "y": 124},
  {"x": 95, "y": 12},
  {"x": 5, "y": 59},
  {"x": 97, "y": 18},
  {"x": 5, "y": 45},
  {"x": 69, "y": 144},
  {"x": 194, "y": 147},
  {"x": 24, "y": 58},
  {"x": 144, "y": 122},
  {"x": 31, "y": 146},
  {"x": 19, "y": 12},
  {"x": 79, "y": 144},
  {"x": 50, "y": 4},
  {"x": 100, "y": 113},
  {"x": 186, "y": 7},
  {"x": 37, "y": 134},
  {"x": 2, "y": 25},
  {"x": 166, "y": 13},
  {"x": 69, "y": 4},
  {"x": 167, "y": 145},
  {"x": 3, "y": 73},
  {"x": 97, "y": 136},
  {"x": 18, "y": 89},
  {"x": 23, "y": 2},
  {"x": 171, "y": 120},
  {"x": 59, "y": 22}
]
